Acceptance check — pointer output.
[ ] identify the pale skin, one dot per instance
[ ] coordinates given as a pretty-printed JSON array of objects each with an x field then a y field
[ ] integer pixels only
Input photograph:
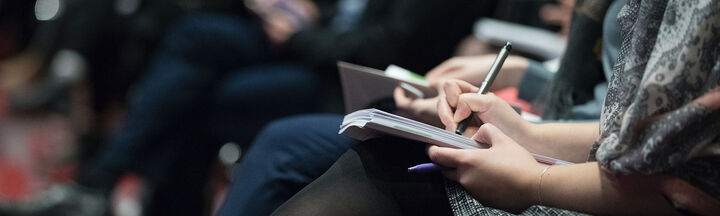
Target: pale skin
[
  {"x": 469, "y": 68},
  {"x": 278, "y": 24},
  {"x": 581, "y": 187},
  {"x": 506, "y": 176}
]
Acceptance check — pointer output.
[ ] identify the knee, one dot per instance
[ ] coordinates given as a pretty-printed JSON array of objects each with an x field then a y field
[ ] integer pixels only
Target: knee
[
  {"x": 289, "y": 140},
  {"x": 279, "y": 135}
]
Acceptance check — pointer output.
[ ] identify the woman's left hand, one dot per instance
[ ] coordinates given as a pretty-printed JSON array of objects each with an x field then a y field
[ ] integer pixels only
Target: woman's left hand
[
  {"x": 505, "y": 176},
  {"x": 421, "y": 109}
]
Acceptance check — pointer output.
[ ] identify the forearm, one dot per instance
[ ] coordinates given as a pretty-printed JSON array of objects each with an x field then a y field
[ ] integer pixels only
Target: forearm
[
  {"x": 566, "y": 141},
  {"x": 585, "y": 188},
  {"x": 474, "y": 69},
  {"x": 510, "y": 74}
]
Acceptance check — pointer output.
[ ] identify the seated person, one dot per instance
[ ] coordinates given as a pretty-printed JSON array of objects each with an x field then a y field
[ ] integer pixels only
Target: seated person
[
  {"x": 654, "y": 152},
  {"x": 217, "y": 77},
  {"x": 289, "y": 153}
]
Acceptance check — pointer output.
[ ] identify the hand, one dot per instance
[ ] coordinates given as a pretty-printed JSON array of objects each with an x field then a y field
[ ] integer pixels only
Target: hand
[
  {"x": 458, "y": 99},
  {"x": 505, "y": 176},
  {"x": 474, "y": 68},
  {"x": 279, "y": 28},
  {"x": 279, "y": 22},
  {"x": 422, "y": 109}
]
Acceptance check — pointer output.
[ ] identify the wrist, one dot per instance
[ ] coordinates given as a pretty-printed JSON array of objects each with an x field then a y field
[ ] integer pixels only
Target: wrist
[
  {"x": 527, "y": 133},
  {"x": 533, "y": 185}
]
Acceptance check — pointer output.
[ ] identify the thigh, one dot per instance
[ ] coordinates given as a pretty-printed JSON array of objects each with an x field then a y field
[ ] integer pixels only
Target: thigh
[
  {"x": 287, "y": 155},
  {"x": 372, "y": 179},
  {"x": 246, "y": 99}
]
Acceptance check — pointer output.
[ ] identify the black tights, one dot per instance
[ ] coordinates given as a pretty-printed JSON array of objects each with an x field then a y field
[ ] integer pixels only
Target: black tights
[{"x": 372, "y": 179}]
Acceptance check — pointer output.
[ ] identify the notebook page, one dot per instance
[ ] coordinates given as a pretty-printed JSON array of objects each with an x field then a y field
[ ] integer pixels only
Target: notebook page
[{"x": 370, "y": 123}]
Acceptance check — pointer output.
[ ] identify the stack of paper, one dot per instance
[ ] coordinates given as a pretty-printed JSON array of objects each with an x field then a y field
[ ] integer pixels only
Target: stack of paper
[{"x": 371, "y": 123}]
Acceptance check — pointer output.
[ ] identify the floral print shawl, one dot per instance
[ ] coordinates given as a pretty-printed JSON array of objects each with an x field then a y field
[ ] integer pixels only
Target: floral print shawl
[
  {"x": 660, "y": 114},
  {"x": 662, "y": 111}
]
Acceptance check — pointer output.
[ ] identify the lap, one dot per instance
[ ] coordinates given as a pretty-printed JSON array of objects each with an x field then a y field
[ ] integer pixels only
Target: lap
[
  {"x": 287, "y": 155},
  {"x": 372, "y": 179}
]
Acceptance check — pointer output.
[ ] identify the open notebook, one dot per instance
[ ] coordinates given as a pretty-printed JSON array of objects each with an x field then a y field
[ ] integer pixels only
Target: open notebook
[{"x": 371, "y": 123}]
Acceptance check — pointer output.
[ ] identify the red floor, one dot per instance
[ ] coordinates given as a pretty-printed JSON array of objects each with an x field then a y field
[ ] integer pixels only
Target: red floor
[{"x": 36, "y": 151}]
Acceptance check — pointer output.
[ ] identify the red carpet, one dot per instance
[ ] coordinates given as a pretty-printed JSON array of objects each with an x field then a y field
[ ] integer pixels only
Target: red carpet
[{"x": 35, "y": 152}]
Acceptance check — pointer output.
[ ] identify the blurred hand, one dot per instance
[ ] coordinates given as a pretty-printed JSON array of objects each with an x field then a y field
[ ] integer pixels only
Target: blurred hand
[
  {"x": 20, "y": 70},
  {"x": 422, "y": 109},
  {"x": 283, "y": 18},
  {"x": 504, "y": 176},
  {"x": 474, "y": 68},
  {"x": 458, "y": 99},
  {"x": 279, "y": 28}
]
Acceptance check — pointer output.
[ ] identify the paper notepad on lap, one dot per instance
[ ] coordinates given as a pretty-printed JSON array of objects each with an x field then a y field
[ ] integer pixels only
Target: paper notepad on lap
[
  {"x": 363, "y": 85},
  {"x": 371, "y": 123}
]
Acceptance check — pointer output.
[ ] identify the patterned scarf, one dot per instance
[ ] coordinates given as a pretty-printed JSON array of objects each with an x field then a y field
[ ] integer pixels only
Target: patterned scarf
[{"x": 661, "y": 111}]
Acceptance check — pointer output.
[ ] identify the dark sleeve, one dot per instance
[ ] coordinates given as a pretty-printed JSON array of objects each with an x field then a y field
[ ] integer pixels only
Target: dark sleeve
[
  {"x": 326, "y": 11},
  {"x": 389, "y": 32},
  {"x": 580, "y": 68}
]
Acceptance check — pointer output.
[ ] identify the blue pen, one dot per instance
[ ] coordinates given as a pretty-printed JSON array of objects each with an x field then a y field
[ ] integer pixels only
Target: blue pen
[{"x": 426, "y": 167}]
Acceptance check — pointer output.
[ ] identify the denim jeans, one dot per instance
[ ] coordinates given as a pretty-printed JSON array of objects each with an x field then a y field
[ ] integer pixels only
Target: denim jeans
[
  {"x": 286, "y": 156},
  {"x": 214, "y": 80}
]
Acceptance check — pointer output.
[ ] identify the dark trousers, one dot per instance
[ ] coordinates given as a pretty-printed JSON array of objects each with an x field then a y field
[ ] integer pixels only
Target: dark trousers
[
  {"x": 372, "y": 179},
  {"x": 213, "y": 81},
  {"x": 286, "y": 156}
]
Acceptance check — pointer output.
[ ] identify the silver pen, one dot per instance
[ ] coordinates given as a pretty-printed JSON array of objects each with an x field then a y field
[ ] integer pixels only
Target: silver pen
[{"x": 489, "y": 79}]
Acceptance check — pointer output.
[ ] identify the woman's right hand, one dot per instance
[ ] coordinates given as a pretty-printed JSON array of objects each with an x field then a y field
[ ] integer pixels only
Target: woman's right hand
[{"x": 459, "y": 99}]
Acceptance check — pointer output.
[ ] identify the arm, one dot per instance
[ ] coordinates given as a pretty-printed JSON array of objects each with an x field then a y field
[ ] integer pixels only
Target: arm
[
  {"x": 579, "y": 187},
  {"x": 473, "y": 69},
  {"x": 567, "y": 141},
  {"x": 389, "y": 32},
  {"x": 586, "y": 188}
]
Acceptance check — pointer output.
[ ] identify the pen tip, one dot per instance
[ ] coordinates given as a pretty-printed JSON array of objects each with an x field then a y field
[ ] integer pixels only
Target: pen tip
[{"x": 508, "y": 45}]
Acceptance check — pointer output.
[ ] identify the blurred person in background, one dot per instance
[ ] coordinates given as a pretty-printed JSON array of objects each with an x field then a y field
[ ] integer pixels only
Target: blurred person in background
[
  {"x": 655, "y": 152},
  {"x": 78, "y": 59},
  {"x": 216, "y": 79},
  {"x": 290, "y": 152}
]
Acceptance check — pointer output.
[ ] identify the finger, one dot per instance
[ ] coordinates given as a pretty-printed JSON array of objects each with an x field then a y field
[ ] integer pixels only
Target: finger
[
  {"x": 401, "y": 100},
  {"x": 462, "y": 111},
  {"x": 448, "y": 157},
  {"x": 490, "y": 134},
  {"x": 436, "y": 83},
  {"x": 466, "y": 87},
  {"x": 445, "y": 114},
  {"x": 477, "y": 103},
  {"x": 453, "y": 88},
  {"x": 451, "y": 91}
]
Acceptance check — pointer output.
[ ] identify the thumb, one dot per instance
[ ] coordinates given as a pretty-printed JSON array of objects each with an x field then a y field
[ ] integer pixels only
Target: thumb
[
  {"x": 448, "y": 157},
  {"x": 489, "y": 134}
]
